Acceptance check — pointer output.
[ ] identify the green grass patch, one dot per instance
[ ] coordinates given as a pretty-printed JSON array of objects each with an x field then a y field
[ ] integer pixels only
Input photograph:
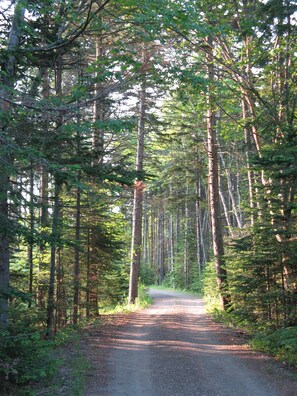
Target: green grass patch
[
  {"x": 179, "y": 290},
  {"x": 143, "y": 300}
]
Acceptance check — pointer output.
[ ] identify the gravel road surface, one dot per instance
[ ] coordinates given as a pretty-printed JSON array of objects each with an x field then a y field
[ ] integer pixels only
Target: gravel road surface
[{"x": 174, "y": 349}]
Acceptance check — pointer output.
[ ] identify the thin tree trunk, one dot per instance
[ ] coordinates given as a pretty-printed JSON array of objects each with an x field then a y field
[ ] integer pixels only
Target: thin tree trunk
[
  {"x": 161, "y": 243},
  {"x": 77, "y": 257},
  {"x": 247, "y": 134},
  {"x": 214, "y": 196},
  {"x": 138, "y": 199},
  {"x": 171, "y": 243},
  {"x": 226, "y": 212},
  {"x": 77, "y": 268},
  {"x": 61, "y": 311},
  {"x": 55, "y": 239},
  {"x": 88, "y": 275},
  {"x": 31, "y": 239},
  {"x": 199, "y": 252},
  {"x": 55, "y": 223},
  {"x": 7, "y": 81},
  {"x": 230, "y": 192},
  {"x": 44, "y": 223},
  {"x": 98, "y": 109},
  {"x": 92, "y": 281},
  {"x": 44, "y": 203},
  {"x": 145, "y": 230},
  {"x": 186, "y": 236}
]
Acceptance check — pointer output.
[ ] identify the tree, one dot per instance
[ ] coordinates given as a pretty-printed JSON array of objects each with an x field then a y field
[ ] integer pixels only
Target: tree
[
  {"x": 213, "y": 183},
  {"x": 7, "y": 81},
  {"x": 136, "y": 243}
]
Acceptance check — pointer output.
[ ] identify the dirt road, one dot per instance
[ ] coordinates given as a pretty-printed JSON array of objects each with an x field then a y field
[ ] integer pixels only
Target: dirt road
[{"x": 174, "y": 349}]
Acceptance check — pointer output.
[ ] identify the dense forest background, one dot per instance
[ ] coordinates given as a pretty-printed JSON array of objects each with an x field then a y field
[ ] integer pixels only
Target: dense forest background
[{"x": 187, "y": 106}]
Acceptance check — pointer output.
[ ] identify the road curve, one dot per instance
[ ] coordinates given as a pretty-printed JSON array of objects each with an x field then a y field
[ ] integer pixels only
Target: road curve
[{"x": 174, "y": 349}]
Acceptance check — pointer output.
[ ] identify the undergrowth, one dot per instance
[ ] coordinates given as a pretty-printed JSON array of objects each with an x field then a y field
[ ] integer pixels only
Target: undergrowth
[
  {"x": 31, "y": 364},
  {"x": 281, "y": 343},
  {"x": 143, "y": 300},
  {"x": 278, "y": 342}
]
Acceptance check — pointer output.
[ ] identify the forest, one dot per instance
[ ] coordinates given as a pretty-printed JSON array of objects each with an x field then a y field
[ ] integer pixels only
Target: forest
[{"x": 145, "y": 142}]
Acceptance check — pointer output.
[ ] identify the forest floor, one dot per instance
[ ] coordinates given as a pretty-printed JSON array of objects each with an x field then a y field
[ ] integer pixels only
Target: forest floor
[{"x": 174, "y": 348}]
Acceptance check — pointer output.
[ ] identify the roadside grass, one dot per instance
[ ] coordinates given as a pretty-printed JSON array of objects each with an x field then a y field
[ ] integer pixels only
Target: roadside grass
[
  {"x": 180, "y": 290},
  {"x": 280, "y": 343},
  {"x": 143, "y": 300}
]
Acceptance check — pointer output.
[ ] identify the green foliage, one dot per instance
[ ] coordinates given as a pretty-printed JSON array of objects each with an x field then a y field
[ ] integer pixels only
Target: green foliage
[
  {"x": 281, "y": 343},
  {"x": 144, "y": 296},
  {"x": 195, "y": 285},
  {"x": 143, "y": 300},
  {"x": 78, "y": 366},
  {"x": 25, "y": 357},
  {"x": 147, "y": 276},
  {"x": 260, "y": 297},
  {"x": 210, "y": 290},
  {"x": 56, "y": 131},
  {"x": 175, "y": 279}
]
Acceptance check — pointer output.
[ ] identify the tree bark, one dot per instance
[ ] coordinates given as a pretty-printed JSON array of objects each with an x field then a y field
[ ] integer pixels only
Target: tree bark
[
  {"x": 137, "y": 203},
  {"x": 186, "y": 235},
  {"x": 230, "y": 192},
  {"x": 161, "y": 242},
  {"x": 31, "y": 238},
  {"x": 77, "y": 258},
  {"x": 55, "y": 239},
  {"x": 55, "y": 223},
  {"x": 7, "y": 79},
  {"x": 213, "y": 185}
]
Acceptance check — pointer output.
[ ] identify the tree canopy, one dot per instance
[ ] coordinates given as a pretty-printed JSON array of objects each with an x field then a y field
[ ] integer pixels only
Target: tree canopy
[{"x": 202, "y": 96}]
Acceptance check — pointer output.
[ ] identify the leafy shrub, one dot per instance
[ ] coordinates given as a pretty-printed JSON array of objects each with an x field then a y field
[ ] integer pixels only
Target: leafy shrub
[
  {"x": 147, "y": 275},
  {"x": 210, "y": 288},
  {"x": 281, "y": 343},
  {"x": 25, "y": 357},
  {"x": 143, "y": 296}
]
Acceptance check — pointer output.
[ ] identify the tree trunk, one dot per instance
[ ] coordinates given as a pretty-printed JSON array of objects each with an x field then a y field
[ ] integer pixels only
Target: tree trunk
[
  {"x": 198, "y": 229},
  {"x": 55, "y": 223},
  {"x": 61, "y": 295},
  {"x": 44, "y": 223},
  {"x": 7, "y": 79},
  {"x": 31, "y": 238},
  {"x": 98, "y": 107},
  {"x": 247, "y": 134},
  {"x": 137, "y": 203},
  {"x": 161, "y": 242},
  {"x": 226, "y": 212},
  {"x": 145, "y": 231},
  {"x": 171, "y": 244},
  {"x": 92, "y": 287},
  {"x": 186, "y": 236},
  {"x": 55, "y": 239},
  {"x": 213, "y": 180},
  {"x": 44, "y": 202},
  {"x": 77, "y": 257},
  {"x": 230, "y": 192}
]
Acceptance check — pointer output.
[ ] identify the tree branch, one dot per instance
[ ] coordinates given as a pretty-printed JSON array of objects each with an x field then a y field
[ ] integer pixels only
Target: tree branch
[{"x": 73, "y": 35}]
